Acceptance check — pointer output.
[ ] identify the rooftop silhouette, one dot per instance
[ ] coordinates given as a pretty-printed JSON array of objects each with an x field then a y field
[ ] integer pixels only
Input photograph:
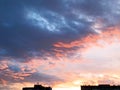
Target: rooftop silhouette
[
  {"x": 37, "y": 87},
  {"x": 100, "y": 87}
]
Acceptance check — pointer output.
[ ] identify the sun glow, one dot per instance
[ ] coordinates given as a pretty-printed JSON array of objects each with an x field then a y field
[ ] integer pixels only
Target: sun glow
[
  {"x": 68, "y": 88},
  {"x": 105, "y": 48}
]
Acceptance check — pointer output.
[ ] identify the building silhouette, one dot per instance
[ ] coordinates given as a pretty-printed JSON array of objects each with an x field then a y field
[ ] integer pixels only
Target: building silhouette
[
  {"x": 37, "y": 87},
  {"x": 101, "y": 87}
]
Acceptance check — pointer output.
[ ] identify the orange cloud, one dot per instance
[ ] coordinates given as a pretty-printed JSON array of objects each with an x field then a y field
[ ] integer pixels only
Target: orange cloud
[
  {"x": 88, "y": 60},
  {"x": 108, "y": 36},
  {"x": 97, "y": 53}
]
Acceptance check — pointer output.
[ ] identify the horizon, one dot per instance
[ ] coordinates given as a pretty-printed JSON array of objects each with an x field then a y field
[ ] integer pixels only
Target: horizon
[
  {"x": 76, "y": 88},
  {"x": 59, "y": 43}
]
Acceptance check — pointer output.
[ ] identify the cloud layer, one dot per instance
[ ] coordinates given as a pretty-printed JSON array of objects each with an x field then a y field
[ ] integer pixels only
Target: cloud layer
[{"x": 42, "y": 39}]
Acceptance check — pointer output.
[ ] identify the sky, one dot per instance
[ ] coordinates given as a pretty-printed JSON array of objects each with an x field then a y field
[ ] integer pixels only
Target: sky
[{"x": 59, "y": 43}]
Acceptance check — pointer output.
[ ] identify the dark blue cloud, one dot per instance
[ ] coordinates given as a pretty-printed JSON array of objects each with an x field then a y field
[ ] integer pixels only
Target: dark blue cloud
[
  {"x": 14, "y": 68},
  {"x": 28, "y": 27}
]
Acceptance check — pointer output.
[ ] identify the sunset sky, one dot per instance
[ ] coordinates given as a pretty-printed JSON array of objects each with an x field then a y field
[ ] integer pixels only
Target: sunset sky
[{"x": 59, "y": 43}]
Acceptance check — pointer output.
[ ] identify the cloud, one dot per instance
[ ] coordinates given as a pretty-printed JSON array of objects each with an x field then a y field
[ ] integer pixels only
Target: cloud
[
  {"x": 30, "y": 72},
  {"x": 39, "y": 40},
  {"x": 35, "y": 27},
  {"x": 43, "y": 78}
]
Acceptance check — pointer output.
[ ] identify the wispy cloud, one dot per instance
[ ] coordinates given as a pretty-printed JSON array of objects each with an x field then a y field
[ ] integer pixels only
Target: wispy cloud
[{"x": 59, "y": 41}]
